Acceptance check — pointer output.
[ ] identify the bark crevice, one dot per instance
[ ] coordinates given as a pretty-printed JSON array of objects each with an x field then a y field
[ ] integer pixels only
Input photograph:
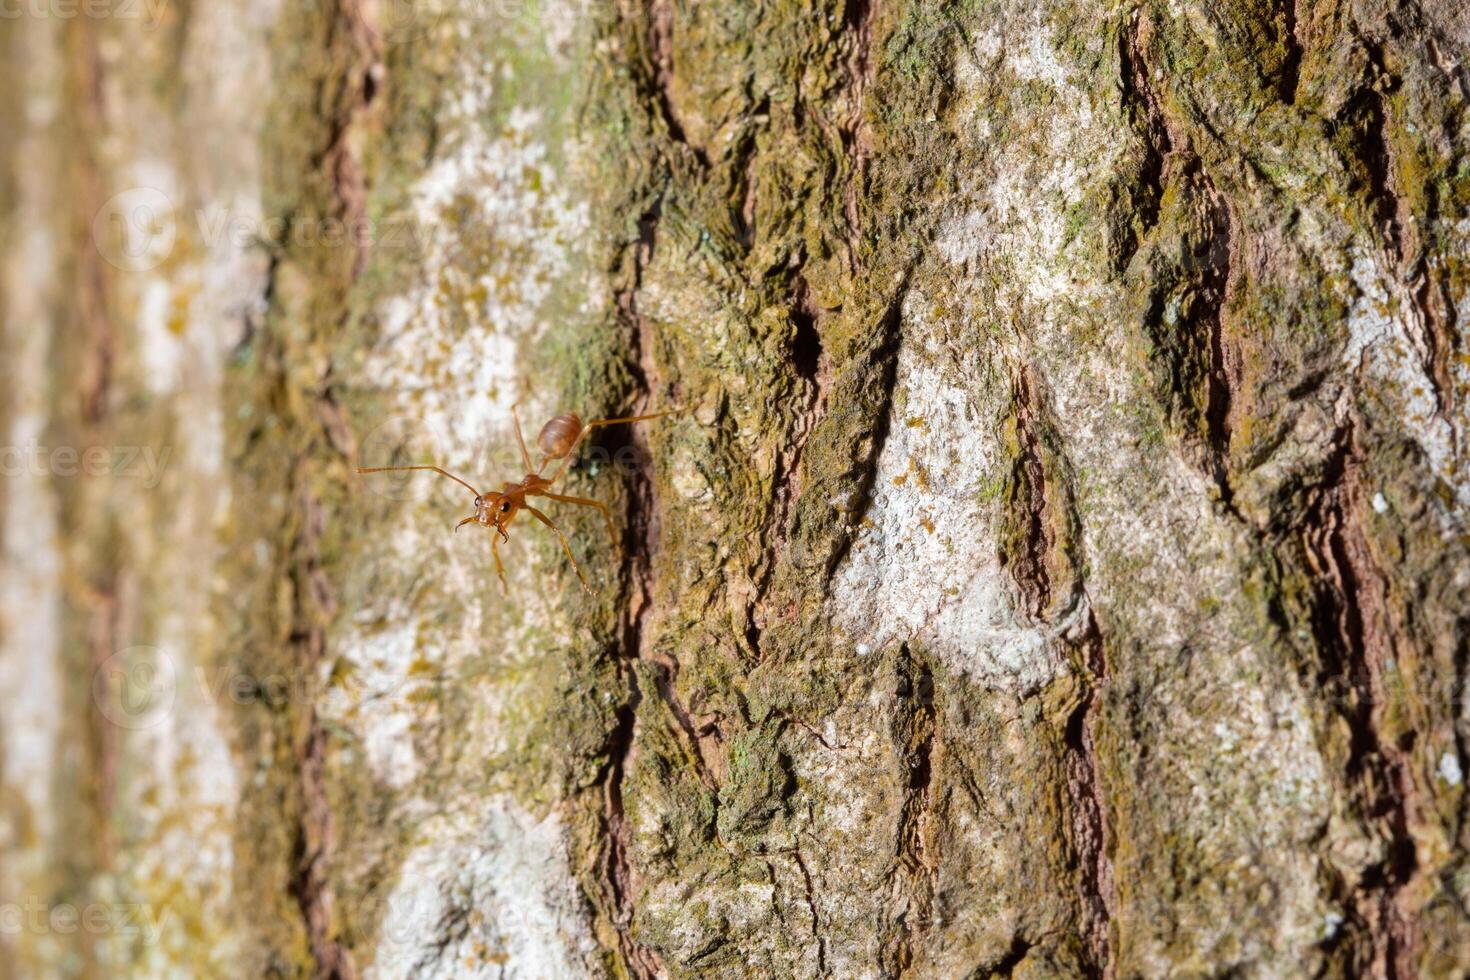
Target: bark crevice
[
  {"x": 1355, "y": 641},
  {"x": 639, "y": 543},
  {"x": 1041, "y": 551},
  {"x": 1216, "y": 281},
  {"x": 811, "y": 904},
  {"x": 348, "y": 89},
  {"x": 315, "y": 838},
  {"x": 882, "y": 360},
  {"x": 617, "y": 875},
  {"x": 812, "y": 376},
  {"x": 858, "y": 17},
  {"x": 660, "y": 37},
  {"x": 1289, "y": 78},
  {"x": 1089, "y": 806},
  {"x": 918, "y": 728},
  {"x": 1146, "y": 119}
]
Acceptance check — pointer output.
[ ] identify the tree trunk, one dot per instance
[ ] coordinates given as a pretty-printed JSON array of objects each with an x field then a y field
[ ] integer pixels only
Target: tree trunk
[{"x": 1058, "y": 564}]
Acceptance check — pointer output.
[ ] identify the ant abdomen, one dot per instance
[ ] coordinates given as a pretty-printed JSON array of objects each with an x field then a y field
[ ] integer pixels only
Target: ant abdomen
[{"x": 559, "y": 435}]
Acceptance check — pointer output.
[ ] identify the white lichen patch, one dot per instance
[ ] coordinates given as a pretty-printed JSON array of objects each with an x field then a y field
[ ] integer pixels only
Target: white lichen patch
[
  {"x": 1021, "y": 221},
  {"x": 30, "y": 601},
  {"x": 388, "y": 663},
  {"x": 1290, "y": 771},
  {"x": 398, "y": 654},
  {"x": 33, "y": 701},
  {"x": 157, "y": 347},
  {"x": 1449, "y": 769},
  {"x": 500, "y": 231},
  {"x": 563, "y": 23},
  {"x": 1159, "y": 561},
  {"x": 371, "y": 690},
  {"x": 181, "y": 783},
  {"x": 1387, "y": 342},
  {"x": 925, "y": 568},
  {"x": 1035, "y": 58},
  {"x": 1020, "y": 230},
  {"x": 692, "y": 915},
  {"x": 487, "y": 894}
]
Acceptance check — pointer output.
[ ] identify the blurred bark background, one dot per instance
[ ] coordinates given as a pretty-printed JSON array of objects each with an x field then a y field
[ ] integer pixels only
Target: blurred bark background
[{"x": 1059, "y": 567}]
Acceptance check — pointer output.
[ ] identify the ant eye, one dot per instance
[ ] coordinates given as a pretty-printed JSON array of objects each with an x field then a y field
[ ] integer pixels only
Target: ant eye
[
  {"x": 504, "y": 507},
  {"x": 477, "y": 501}
]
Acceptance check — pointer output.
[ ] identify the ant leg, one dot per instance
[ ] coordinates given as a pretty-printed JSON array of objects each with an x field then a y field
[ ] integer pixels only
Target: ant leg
[
  {"x": 499, "y": 568},
  {"x": 599, "y": 422},
  {"x": 584, "y": 502},
  {"x": 520, "y": 439},
  {"x": 391, "y": 469},
  {"x": 564, "y": 546}
]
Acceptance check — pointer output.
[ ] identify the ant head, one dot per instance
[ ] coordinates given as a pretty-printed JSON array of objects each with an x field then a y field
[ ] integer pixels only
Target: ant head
[{"x": 493, "y": 510}]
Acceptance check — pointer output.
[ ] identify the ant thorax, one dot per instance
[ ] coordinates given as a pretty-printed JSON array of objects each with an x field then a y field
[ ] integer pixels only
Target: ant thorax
[{"x": 532, "y": 484}]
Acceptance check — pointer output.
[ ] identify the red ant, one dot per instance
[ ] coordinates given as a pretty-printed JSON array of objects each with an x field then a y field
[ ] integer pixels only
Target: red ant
[{"x": 559, "y": 438}]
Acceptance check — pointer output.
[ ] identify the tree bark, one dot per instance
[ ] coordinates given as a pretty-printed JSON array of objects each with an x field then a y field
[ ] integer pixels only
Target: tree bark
[{"x": 1057, "y": 565}]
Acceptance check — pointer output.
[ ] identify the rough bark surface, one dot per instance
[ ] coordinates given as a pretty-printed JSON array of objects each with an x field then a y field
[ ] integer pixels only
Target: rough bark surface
[{"x": 1059, "y": 566}]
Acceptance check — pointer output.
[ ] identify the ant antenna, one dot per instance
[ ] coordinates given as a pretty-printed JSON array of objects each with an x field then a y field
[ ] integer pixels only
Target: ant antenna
[{"x": 435, "y": 469}]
